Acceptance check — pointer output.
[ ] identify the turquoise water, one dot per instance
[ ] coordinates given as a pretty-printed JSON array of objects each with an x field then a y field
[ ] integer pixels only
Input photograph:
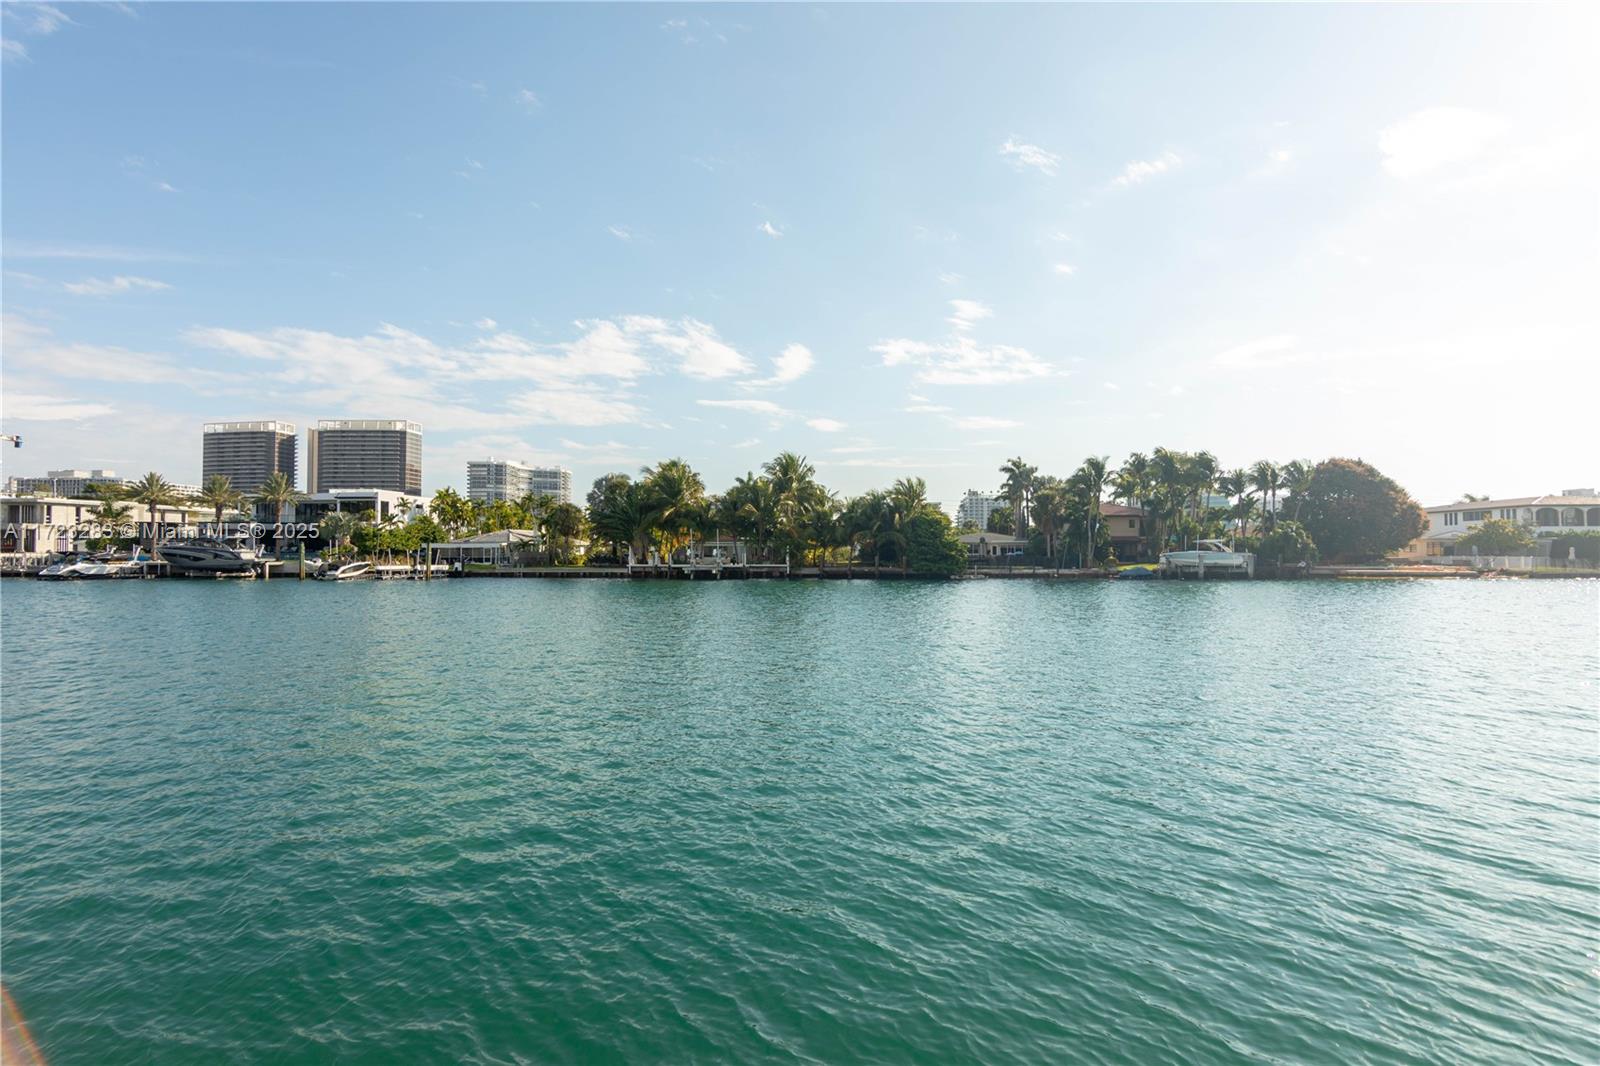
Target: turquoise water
[{"x": 536, "y": 822}]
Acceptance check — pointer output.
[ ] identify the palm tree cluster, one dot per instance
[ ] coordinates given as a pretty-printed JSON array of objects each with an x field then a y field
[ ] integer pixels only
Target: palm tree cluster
[
  {"x": 561, "y": 525},
  {"x": 1174, "y": 489},
  {"x": 781, "y": 514}
]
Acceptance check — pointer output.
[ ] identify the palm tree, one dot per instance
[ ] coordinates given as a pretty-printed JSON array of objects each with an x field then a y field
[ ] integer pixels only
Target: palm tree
[
  {"x": 451, "y": 511},
  {"x": 1264, "y": 477},
  {"x": 220, "y": 495},
  {"x": 1018, "y": 488},
  {"x": 672, "y": 493},
  {"x": 153, "y": 491},
  {"x": 278, "y": 492},
  {"x": 1235, "y": 484},
  {"x": 1092, "y": 478},
  {"x": 1294, "y": 477},
  {"x": 1049, "y": 512}
]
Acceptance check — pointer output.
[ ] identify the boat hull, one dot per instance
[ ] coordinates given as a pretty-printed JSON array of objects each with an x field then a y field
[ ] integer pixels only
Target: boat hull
[{"x": 205, "y": 560}]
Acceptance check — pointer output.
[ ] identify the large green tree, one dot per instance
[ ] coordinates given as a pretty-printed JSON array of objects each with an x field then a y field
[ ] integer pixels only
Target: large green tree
[
  {"x": 932, "y": 545},
  {"x": 1497, "y": 536},
  {"x": 1354, "y": 513}
]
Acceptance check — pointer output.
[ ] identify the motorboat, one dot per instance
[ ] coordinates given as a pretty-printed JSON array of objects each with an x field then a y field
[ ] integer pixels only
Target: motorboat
[
  {"x": 1215, "y": 558},
  {"x": 61, "y": 570},
  {"x": 208, "y": 555},
  {"x": 346, "y": 572}
]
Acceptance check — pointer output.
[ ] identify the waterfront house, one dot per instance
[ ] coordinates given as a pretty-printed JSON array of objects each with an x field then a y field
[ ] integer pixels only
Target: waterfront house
[
  {"x": 1125, "y": 527},
  {"x": 42, "y": 524},
  {"x": 503, "y": 547},
  {"x": 1546, "y": 517},
  {"x": 993, "y": 545}
]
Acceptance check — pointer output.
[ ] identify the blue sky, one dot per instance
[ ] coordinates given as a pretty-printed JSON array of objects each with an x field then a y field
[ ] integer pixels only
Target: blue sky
[{"x": 900, "y": 240}]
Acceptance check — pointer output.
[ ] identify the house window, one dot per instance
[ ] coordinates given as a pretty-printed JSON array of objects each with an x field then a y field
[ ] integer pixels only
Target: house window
[{"x": 1475, "y": 516}]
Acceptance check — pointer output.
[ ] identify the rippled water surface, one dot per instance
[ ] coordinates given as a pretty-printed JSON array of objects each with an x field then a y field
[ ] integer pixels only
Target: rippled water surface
[{"x": 506, "y": 822}]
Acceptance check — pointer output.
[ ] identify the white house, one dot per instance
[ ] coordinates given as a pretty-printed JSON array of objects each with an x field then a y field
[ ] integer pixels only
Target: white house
[{"x": 1544, "y": 516}]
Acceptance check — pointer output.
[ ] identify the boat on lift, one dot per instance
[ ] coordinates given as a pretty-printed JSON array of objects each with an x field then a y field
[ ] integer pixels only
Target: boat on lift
[
  {"x": 347, "y": 572},
  {"x": 1209, "y": 558},
  {"x": 209, "y": 555}
]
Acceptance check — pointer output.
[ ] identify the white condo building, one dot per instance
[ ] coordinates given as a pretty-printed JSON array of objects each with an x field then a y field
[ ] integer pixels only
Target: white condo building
[
  {"x": 975, "y": 509},
  {"x": 506, "y": 479}
]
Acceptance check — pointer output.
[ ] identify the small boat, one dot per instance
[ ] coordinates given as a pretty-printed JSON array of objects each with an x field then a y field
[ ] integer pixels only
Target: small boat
[
  {"x": 347, "y": 572},
  {"x": 208, "y": 555},
  {"x": 1214, "y": 557},
  {"x": 61, "y": 570}
]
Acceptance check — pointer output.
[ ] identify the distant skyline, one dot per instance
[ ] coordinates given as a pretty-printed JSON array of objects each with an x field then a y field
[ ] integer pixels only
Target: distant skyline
[{"x": 900, "y": 240}]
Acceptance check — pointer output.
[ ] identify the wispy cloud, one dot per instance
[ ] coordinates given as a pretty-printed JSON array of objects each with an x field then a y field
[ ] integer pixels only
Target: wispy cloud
[
  {"x": 29, "y": 407},
  {"x": 110, "y": 286},
  {"x": 622, "y": 233},
  {"x": 527, "y": 99},
  {"x": 1436, "y": 137},
  {"x": 984, "y": 422},
  {"x": 13, "y": 50},
  {"x": 1139, "y": 171},
  {"x": 964, "y": 314},
  {"x": 485, "y": 323},
  {"x": 1066, "y": 270},
  {"x": 960, "y": 359},
  {"x": 770, "y": 230},
  {"x": 22, "y": 249},
  {"x": 1278, "y": 350},
  {"x": 1022, "y": 156},
  {"x": 825, "y": 425}
]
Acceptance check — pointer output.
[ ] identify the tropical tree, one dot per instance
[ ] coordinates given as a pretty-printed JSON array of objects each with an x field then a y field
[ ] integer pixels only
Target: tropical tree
[
  {"x": 279, "y": 493},
  {"x": 672, "y": 494},
  {"x": 1050, "y": 498},
  {"x": 153, "y": 491},
  {"x": 932, "y": 546},
  {"x": 1497, "y": 536},
  {"x": 1091, "y": 478},
  {"x": 1287, "y": 543},
  {"x": 335, "y": 527},
  {"x": 1294, "y": 478},
  {"x": 452, "y": 511},
  {"x": 1354, "y": 512},
  {"x": 1265, "y": 479},
  {"x": 1017, "y": 488},
  {"x": 219, "y": 494},
  {"x": 561, "y": 525}
]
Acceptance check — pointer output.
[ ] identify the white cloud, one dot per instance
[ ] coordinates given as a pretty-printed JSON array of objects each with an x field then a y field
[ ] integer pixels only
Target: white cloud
[
  {"x": 27, "y": 407},
  {"x": 984, "y": 422},
  {"x": 108, "y": 286},
  {"x": 925, "y": 408},
  {"x": 753, "y": 407},
  {"x": 1141, "y": 170},
  {"x": 1021, "y": 155},
  {"x": 748, "y": 442},
  {"x": 1111, "y": 386},
  {"x": 573, "y": 407},
  {"x": 1277, "y": 350},
  {"x": 770, "y": 230},
  {"x": 701, "y": 353},
  {"x": 528, "y": 99},
  {"x": 1436, "y": 137},
  {"x": 790, "y": 365},
  {"x": 166, "y": 186},
  {"x": 32, "y": 346},
  {"x": 948, "y": 278},
  {"x": 1066, "y": 270},
  {"x": 963, "y": 361},
  {"x": 964, "y": 314},
  {"x": 621, "y": 233},
  {"x": 825, "y": 425},
  {"x": 485, "y": 323},
  {"x": 13, "y": 49}
]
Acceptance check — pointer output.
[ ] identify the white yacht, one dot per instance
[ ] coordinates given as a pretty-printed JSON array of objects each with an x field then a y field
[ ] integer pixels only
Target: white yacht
[
  {"x": 208, "y": 555},
  {"x": 347, "y": 572},
  {"x": 1214, "y": 558}
]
